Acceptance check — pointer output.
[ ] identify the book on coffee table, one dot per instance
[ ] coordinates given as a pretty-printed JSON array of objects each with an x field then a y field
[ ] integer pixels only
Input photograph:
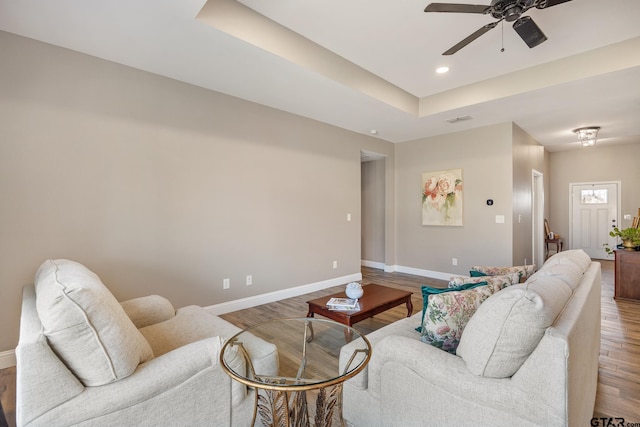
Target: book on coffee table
[
  {"x": 346, "y": 310},
  {"x": 342, "y": 304}
]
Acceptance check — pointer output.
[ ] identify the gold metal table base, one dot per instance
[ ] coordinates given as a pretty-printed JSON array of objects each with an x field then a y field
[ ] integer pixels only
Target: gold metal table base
[
  {"x": 276, "y": 408},
  {"x": 282, "y": 401}
]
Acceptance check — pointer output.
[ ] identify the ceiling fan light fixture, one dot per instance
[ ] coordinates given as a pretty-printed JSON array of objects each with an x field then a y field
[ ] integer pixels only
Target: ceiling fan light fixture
[
  {"x": 529, "y": 32},
  {"x": 588, "y": 135}
]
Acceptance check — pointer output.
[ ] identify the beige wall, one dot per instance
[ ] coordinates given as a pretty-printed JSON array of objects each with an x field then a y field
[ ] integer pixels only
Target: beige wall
[
  {"x": 485, "y": 155},
  {"x": 593, "y": 164},
  {"x": 162, "y": 187},
  {"x": 528, "y": 155}
]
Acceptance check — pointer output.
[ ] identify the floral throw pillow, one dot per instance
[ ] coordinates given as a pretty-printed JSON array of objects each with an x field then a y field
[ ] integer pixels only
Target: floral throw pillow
[
  {"x": 524, "y": 271},
  {"x": 446, "y": 314},
  {"x": 510, "y": 279},
  {"x": 428, "y": 292}
]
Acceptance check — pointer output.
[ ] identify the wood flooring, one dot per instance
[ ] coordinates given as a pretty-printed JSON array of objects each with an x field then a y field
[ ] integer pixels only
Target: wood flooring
[{"x": 618, "y": 394}]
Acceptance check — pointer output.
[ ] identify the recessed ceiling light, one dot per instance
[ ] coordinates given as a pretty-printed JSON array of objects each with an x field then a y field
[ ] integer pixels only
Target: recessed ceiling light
[
  {"x": 442, "y": 70},
  {"x": 373, "y": 132}
]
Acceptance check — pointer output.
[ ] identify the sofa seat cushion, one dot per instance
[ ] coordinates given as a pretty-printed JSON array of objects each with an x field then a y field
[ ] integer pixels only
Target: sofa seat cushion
[
  {"x": 507, "y": 327},
  {"x": 85, "y": 325},
  {"x": 446, "y": 313}
]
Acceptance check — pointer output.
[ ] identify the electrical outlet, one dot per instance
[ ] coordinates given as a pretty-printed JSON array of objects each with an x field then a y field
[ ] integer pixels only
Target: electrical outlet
[
  {"x": 226, "y": 284},
  {"x": 454, "y": 261},
  {"x": 249, "y": 280},
  {"x": 335, "y": 264}
]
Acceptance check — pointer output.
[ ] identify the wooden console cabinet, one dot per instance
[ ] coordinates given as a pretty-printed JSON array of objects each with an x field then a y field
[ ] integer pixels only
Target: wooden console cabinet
[{"x": 627, "y": 271}]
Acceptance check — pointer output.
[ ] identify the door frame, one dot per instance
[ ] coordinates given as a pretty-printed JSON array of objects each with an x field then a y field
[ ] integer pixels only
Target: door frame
[
  {"x": 618, "y": 185},
  {"x": 537, "y": 218}
]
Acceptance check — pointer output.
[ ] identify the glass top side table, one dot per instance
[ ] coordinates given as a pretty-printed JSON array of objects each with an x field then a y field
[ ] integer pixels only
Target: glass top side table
[{"x": 308, "y": 354}]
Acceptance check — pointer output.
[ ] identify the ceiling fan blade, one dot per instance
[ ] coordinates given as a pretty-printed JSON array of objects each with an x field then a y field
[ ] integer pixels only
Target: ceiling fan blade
[
  {"x": 471, "y": 38},
  {"x": 457, "y": 8},
  {"x": 529, "y": 31},
  {"x": 543, "y": 4}
]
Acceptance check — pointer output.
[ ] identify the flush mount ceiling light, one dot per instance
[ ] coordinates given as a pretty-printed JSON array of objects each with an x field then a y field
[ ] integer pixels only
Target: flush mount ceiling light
[{"x": 587, "y": 135}]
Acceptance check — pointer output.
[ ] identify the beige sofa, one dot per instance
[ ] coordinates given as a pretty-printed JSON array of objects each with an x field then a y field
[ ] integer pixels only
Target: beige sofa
[
  {"x": 85, "y": 359},
  {"x": 511, "y": 367}
]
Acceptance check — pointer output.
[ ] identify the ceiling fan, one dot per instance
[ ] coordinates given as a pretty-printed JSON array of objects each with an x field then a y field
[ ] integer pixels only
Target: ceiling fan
[{"x": 508, "y": 10}]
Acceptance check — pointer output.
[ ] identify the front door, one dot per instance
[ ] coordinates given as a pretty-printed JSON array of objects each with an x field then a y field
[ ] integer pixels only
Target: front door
[{"x": 594, "y": 214}]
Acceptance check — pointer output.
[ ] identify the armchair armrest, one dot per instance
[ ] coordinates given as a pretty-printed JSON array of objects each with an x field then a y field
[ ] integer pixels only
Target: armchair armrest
[
  {"x": 148, "y": 310},
  {"x": 164, "y": 390}
]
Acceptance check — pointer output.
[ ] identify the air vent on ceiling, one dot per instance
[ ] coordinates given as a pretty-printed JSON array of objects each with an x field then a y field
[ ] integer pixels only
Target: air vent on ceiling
[{"x": 458, "y": 119}]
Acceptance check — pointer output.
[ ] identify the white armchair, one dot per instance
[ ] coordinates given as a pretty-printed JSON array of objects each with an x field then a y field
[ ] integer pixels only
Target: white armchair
[{"x": 81, "y": 359}]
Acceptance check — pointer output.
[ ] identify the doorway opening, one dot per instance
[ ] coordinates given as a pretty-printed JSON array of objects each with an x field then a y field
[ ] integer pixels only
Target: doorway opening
[{"x": 372, "y": 183}]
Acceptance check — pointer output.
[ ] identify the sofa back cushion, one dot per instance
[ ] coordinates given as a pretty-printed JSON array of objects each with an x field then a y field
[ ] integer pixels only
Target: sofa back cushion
[
  {"x": 572, "y": 256},
  {"x": 508, "y": 326},
  {"x": 85, "y": 325},
  {"x": 569, "y": 273},
  {"x": 568, "y": 266}
]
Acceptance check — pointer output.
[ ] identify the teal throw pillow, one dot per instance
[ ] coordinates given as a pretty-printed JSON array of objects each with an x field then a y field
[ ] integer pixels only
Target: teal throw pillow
[{"x": 476, "y": 273}]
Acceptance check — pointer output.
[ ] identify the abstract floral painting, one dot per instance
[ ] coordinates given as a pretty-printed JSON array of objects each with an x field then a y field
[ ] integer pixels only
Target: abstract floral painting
[{"x": 442, "y": 197}]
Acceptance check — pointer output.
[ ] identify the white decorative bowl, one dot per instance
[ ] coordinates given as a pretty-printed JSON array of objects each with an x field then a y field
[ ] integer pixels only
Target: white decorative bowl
[{"x": 354, "y": 290}]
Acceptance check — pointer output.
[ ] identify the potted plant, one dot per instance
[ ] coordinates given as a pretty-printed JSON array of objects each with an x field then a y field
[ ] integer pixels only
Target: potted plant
[{"x": 630, "y": 238}]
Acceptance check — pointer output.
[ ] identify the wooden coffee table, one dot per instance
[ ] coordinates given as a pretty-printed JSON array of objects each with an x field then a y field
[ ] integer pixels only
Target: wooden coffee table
[{"x": 376, "y": 299}]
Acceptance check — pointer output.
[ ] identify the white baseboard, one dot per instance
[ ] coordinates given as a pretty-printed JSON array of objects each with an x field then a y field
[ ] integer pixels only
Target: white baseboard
[
  {"x": 7, "y": 359},
  {"x": 240, "y": 304},
  {"x": 419, "y": 272},
  {"x": 372, "y": 264}
]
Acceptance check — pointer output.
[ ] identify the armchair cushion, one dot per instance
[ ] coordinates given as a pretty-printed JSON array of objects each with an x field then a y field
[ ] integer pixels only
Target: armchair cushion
[
  {"x": 85, "y": 325},
  {"x": 148, "y": 310}
]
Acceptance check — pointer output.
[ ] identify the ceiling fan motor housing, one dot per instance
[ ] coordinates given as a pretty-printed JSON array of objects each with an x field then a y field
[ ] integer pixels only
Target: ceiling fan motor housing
[{"x": 510, "y": 10}]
